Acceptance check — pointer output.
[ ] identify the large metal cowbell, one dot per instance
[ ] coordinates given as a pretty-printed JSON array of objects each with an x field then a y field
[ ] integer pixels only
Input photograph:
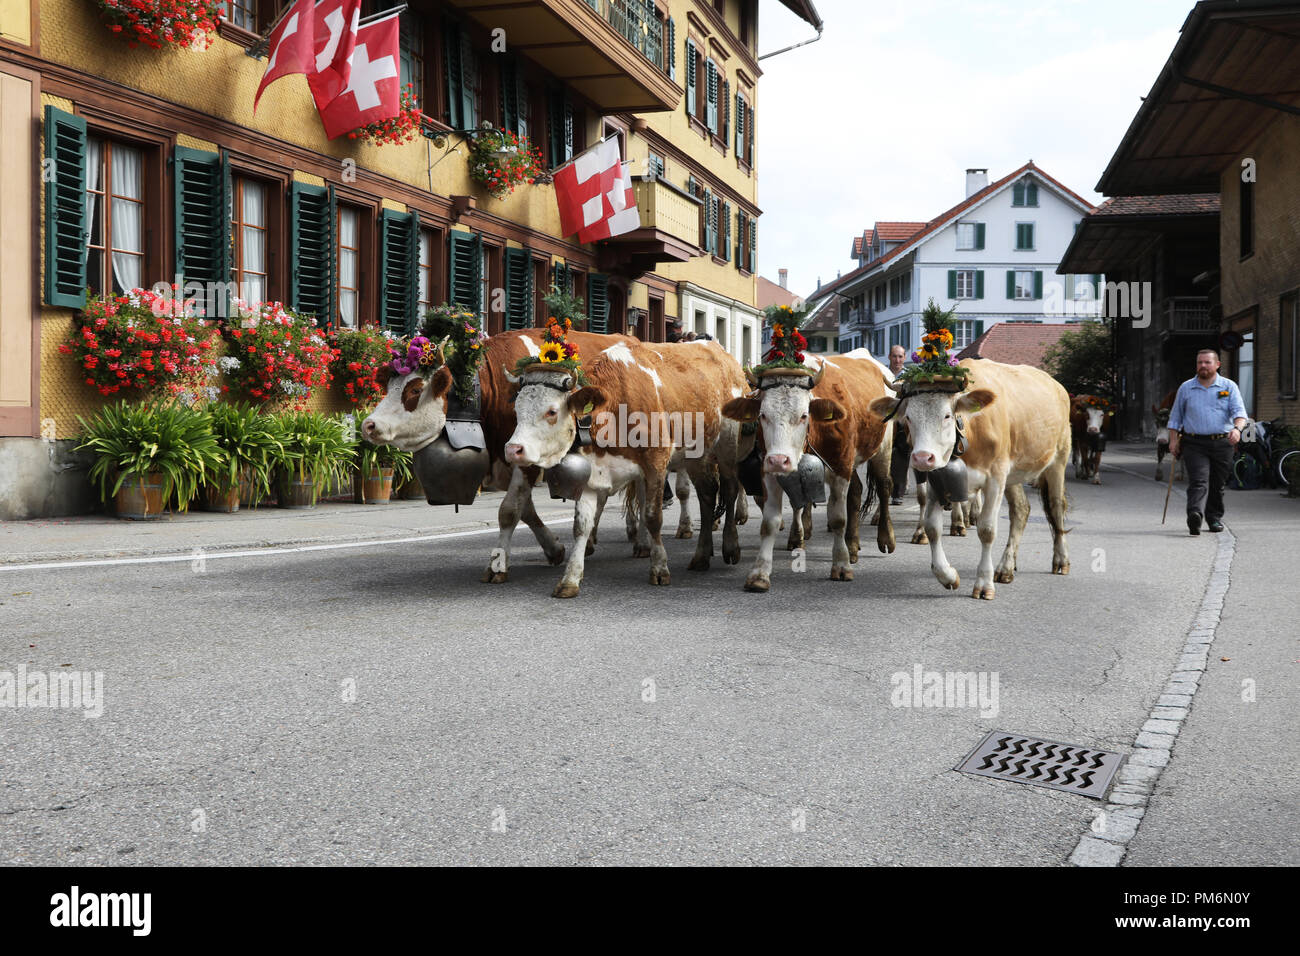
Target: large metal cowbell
[{"x": 806, "y": 484}]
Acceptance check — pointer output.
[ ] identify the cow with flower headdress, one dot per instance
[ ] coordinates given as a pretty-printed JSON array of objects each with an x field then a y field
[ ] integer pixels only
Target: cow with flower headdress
[
  {"x": 1089, "y": 417},
  {"x": 1011, "y": 429}
]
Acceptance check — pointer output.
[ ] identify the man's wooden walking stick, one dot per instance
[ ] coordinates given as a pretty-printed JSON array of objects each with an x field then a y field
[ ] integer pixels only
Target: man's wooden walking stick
[{"x": 1173, "y": 463}]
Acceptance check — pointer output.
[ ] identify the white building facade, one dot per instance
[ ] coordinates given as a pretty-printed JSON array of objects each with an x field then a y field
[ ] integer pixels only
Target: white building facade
[{"x": 992, "y": 257}]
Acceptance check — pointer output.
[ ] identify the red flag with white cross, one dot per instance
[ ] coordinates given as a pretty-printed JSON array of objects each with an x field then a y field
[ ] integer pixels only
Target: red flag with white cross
[
  {"x": 290, "y": 45},
  {"x": 594, "y": 193},
  {"x": 337, "y": 26},
  {"x": 373, "y": 89}
]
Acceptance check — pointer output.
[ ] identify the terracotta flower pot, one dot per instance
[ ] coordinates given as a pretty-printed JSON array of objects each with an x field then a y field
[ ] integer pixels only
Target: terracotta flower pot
[
  {"x": 140, "y": 497},
  {"x": 374, "y": 489}
]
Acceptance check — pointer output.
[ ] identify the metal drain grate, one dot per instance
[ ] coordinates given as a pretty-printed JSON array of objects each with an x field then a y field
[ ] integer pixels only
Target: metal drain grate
[{"x": 1043, "y": 763}]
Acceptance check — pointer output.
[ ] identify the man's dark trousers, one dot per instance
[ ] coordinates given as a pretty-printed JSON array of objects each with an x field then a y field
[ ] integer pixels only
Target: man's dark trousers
[{"x": 1208, "y": 461}]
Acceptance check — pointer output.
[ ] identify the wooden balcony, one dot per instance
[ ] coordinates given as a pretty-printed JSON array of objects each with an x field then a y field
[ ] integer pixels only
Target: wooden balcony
[
  {"x": 605, "y": 49},
  {"x": 670, "y": 231},
  {"x": 1188, "y": 314}
]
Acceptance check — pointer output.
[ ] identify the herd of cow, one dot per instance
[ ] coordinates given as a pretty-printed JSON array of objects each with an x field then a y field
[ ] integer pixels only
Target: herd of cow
[{"x": 1012, "y": 427}]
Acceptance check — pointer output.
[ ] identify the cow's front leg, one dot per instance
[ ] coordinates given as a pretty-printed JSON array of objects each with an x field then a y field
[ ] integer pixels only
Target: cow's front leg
[
  {"x": 760, "y": 576},
  {"x": 1018, "y": 514},
  {"x": 641, "y": 547},
  {"x": 922, "y": 497},
  {"x": 683, "y": 490},
  {"x": 932, "y": 517},
  {"x": 508, "y": 515},
  {"x": 729, "y": 488},
  {"x": 987, "y": 524},
  {"x": 878, "y": 472},
  {"x": 705, "y": 479},
  {"x": 552, "y": 548},
  {"x": 837, "y": 521},
  {"x": 584, "y": 519},
  {"x": 601, "y": 498},
  {"x": 853, "y": 516},
  {"x": 654, "y": 521},
  {"x": 1095, "y": 467},
  {"x": 742, "y": 504},
  {"x": 1162, "y": 447}
]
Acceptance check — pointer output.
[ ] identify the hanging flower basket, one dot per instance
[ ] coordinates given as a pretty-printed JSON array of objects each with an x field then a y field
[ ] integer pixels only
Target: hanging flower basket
[
  {"x": 499, "y": 161},
  {"x": 183, "y": 23},
  {"x": 402, "y": 128}
]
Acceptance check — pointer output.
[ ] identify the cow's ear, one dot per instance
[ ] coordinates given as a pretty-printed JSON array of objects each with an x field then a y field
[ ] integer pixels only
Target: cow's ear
[
  {"x": 978, "y": 400},
  {"x": 587, "y": 395},
  {"x": 825, "y": 410},
  {"x": 383, "y": 375},
  {"x": 742, "y": 409},
  {"x": 440, "y": 383},
  {"x": 883, "y": 406}
]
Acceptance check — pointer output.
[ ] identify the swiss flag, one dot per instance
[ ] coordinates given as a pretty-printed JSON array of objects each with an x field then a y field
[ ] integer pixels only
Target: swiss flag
[
  {"x": 291, "y": 45},
  {"x": 594, "y": 193},
  {"x": 372, "y": 91},
  {"x": 337, "y": 26}
]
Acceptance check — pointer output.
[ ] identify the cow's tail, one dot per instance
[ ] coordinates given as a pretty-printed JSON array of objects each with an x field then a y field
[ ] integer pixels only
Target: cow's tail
[
  {"x": 1045, "y": 496},
  {"x": 630, "y": 505},
  {"x": 868, "y": 494}
]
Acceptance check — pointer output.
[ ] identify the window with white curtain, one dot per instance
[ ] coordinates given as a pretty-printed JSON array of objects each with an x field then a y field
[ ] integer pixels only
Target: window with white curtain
[
  {"x": 248, "y": 230},
  {"x": 115, "y": 216},
  {"x": 242, "y": 13},
  {"x": 426, "y": 273},
  {"x": 349, "y": 265}
]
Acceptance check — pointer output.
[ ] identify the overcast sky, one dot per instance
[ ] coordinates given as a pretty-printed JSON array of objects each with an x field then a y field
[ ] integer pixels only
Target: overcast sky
[{"x": 880, "y": 118}]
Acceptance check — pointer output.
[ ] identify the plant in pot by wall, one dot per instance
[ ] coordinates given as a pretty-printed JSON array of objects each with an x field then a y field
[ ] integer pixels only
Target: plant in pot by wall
[
  {"x": 458, "y": 332},
  {"x": 500, "y": 160},
  {"x": 357, "y": 355},
  {"x": 402, "y": 128},
  {"x": 247, "y": 437},
  {"x": 274, "y": 357},
  {"x": 314, "y": 453},
  {"x": 182, "y": 23},
  {"x": 152, "y": 453},
  {"x": 933, "y": 368},
  {"x": 378, "y": 467},
  {"x": 143, "y": 343}
]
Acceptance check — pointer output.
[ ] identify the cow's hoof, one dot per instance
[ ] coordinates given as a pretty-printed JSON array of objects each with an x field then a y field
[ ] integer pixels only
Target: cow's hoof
[
  {"x": 495, "y": 577},
  {"x": 794, "y": 544},
  {"x": 1096, "y": 479},
  {"x": 742, "y": 519},
  {"x": 781, "y": 527},
  {"x": 591, "y": 548},
  {"x": 853, "y": 555},
  {"x": 886, "y": 544},
  {"x": 699, "y": 562},
  {"x": 1060, "y": 567},
  {"x": 954, "y": 584},
  {"x": 731, "y": 555},
  {"x": 660, "y": 576},
  {"x": 841, "y": 574},
  {"x": 1004, "y": 577},
  {"x": 983, "y": 593},
  {"x": 563, "y": 590},
  {"x": 557, "y": 557},
  {"x": 919, "y": 537},
  {"x": 641, "y": 551},
  {"x": 758, "y": 583},
  {"x": 685, "y": 533},
  {"x": 958, "y": 531}
]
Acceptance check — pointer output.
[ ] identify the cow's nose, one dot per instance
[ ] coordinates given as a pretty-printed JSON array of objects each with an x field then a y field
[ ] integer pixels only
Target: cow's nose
[
  {"x": 368, "y": 426},
  {"x": 1093, "y": 430},
  {"x": 514, "y": 452},
  {"x": 778, "y": 463},
  {"x": 923, "y": 460}
]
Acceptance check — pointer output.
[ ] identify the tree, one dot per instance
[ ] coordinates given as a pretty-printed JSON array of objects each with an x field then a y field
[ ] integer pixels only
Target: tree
[{"x": 1082, "y": 359}]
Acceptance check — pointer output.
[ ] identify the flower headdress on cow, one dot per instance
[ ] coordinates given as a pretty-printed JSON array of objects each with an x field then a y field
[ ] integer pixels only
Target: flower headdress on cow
[
  {"x": 465, "y": 342},
  {"x": 933, "y": 368},
  {"x": 555, "y": 352},
  {"x": 786, "y": 355},
  {"x": 1095, "y": 401}
]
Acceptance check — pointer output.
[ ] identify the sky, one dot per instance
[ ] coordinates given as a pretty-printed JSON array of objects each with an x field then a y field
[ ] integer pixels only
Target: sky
[{"x": 880, "y": 118}]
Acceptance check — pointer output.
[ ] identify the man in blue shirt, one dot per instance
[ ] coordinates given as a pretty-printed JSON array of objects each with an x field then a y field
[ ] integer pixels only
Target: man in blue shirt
[{"x": 1204, "y": 427}]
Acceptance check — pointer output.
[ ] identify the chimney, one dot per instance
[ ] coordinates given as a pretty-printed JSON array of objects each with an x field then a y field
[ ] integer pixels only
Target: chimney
[
  {"x": 783, "y": 277},
  {"x": 976, "y": 179}
]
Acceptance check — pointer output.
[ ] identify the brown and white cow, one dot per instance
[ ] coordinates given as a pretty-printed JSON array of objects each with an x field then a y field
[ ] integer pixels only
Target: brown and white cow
[
  {"x": 1088, "y": 423},
  {"x": 829, "y": 413},
  {"x": 638, "y": 395},
  {"x": 413, "y": 413},
  {"x": 1017, "y": 429}
]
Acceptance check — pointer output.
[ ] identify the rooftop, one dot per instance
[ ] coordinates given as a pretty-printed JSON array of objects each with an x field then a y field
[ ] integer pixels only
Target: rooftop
[{"x": 1016, "y": 343}]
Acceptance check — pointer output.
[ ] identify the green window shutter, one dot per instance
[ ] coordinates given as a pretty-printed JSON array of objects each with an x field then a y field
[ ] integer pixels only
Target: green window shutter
[
  {"x": 519, "y": 288},
  {"x": 1031, "y": 194},
  {"x": 740, "y": 126},
  {"x": 1018, "y": 194},
  {"x": 65, "y": 209},
  {"x": 726, "y": 239},
  {"x": 979, "y": 235},
  {"x": 1038, "y": 285},
  {"x": 708, "y": 220},
  {"x": 468, "y": 79},
  {"x": 952, "y": 283},
  {"x": 749, "y": 126},
  {"x": 979, "y": 329},
  {"x": 979, "y": 284},
  {"x": 201, "y": 192},
  {"x": 514, "y": 97},
  {"x": 453, "y": 74},
  {"x": 1095, "y": 279},
  {"x": 560, "y": 117},
  {"x": 672, "y": 49},
  {"x": 312, "y": 257},
  {"x": 465, "y": 262},
  {"x": 690, "y": 76},
  {"x": 598, "y": 303},
  {"x": 399, "y": 262},
  {"x": 711, "y": 95},
  {"x": 753, "y": 245},
  {"x": 1011, "y": 284},
  {"x": 740, "y": 239},
  {"x": 726, "y": 113}
]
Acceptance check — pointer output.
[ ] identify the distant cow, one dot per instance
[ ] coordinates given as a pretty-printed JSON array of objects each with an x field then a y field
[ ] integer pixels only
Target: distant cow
[
  {"x": 1017, "y": 429},
  {"x": 829, "y": 413},
  {"x": 1089, "y": 416},
  {"x": 627, "y": 384},
  {"x": 1161, "y": 413}
]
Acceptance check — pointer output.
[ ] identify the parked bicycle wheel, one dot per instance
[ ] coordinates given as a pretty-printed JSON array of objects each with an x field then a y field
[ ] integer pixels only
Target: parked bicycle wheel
[
  {"x": 1288, "y": 468},
  {"x": 1247, "y": 475}
]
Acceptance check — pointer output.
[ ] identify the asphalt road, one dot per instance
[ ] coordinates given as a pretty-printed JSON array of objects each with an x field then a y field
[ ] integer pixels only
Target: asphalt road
[{"x": 687, "y": 724}]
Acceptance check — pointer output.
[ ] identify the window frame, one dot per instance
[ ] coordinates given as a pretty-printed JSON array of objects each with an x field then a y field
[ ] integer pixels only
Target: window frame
[
  {"x": 1291, "y": 299},
  {"x": 1033, "y": 236},
  {"x": 359, "y": 249},
  {"x": 237, "y": 225},
  {"x": 970, "y": 294},
  {"x": 148, "y": 158}
]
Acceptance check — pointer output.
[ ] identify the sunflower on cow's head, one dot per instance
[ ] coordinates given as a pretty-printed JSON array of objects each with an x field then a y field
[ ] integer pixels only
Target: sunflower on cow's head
[
  {"x": 933, "y": 368},
  {"x": 556, "y": 351}
]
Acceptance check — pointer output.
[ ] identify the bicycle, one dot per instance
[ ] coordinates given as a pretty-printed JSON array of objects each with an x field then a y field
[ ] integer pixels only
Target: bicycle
[{"x": 1269, "y": 455}]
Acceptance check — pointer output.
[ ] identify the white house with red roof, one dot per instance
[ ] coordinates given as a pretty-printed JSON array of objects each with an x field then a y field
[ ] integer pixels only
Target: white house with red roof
[{"x": 993, "y": 257}]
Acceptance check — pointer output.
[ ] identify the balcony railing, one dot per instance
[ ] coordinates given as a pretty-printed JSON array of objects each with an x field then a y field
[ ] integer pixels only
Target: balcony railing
[
  {"x": 635, "y": 19},
  {"x": 668, "y": 210},
  {"x": 856, "y": 320},
  {"x": 1188, "y": 313}
]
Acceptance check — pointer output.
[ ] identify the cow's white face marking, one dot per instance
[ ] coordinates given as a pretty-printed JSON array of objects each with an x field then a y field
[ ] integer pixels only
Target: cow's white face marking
[
  {"x": 544, "y": 423},
  {"x": 620, "y": 353},
  {"x": 736, "y": 392},
  {"x": 394, "y": 425},
  {"x": 1096, "y": 418},
  {"x": 932, "y": 424},
  {"x": 783, "y": 416}
]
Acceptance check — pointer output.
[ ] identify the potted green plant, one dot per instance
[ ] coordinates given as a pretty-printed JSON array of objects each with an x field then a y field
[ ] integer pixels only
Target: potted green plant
[
  {"x": 153, "y": 453},
  {"x": 314, "y": 453},
  {"x": 248, "y": 440},
  {"x": 378, "y": 467}
]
